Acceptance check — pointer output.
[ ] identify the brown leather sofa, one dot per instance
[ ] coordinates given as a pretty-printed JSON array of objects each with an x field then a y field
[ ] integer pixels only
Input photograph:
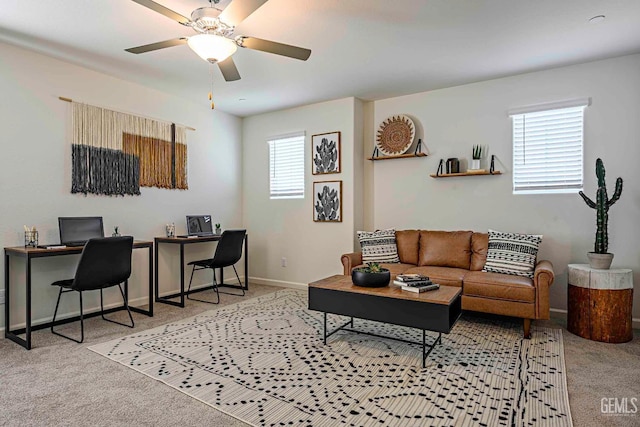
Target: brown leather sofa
[{"x": 456, "y": 258}]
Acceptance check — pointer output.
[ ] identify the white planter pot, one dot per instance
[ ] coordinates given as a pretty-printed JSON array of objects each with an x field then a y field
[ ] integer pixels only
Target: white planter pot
[
  {"x": 475, "y": 164},
  {"x": 600, "y": 261}
]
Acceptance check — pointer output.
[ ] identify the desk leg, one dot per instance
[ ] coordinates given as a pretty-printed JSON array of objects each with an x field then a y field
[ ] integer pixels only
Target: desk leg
[
  {"x": 151, "y": 281},
  {"x": 28, "y": 312},
  {"x": 155, "y": 276},
  {"x": 6, "y": 295},
  {"x": 149, "y": 310},
  {"x": 8, "y": 333},
  {"x": 246, "y": 262},
  {"x": 167, "y": 299},
  {"x": 181, "y": 275}
]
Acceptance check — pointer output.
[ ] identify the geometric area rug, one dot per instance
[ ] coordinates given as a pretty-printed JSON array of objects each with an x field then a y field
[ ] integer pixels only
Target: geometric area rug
[{"x": 263, "y": 361}]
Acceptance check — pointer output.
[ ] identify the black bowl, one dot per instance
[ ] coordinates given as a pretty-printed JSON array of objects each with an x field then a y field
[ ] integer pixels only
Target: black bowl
[{"x": 371, "y": 280}]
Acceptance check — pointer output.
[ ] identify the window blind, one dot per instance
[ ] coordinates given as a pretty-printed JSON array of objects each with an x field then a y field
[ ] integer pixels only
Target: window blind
[
  {"x": 548, "y": 150},
  {"x": 286, "y": 166}
]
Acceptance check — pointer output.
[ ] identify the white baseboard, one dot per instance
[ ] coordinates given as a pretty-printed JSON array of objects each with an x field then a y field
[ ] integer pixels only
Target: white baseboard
[
  {"x": 87, "y": 310},
  {"x": 257, "y": 280},
  {"x": 195, "y": 288},
  {"x": 271, "y": 282},
  {"x": 635, "y": 323}
]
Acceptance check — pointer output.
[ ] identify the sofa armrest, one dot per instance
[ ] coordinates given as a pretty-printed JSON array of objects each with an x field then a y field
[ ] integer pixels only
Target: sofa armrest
[
  {"x": 542, "y": 279},
  {"x": 349, "y": 261},
  {"x": 543, "y": 274}
]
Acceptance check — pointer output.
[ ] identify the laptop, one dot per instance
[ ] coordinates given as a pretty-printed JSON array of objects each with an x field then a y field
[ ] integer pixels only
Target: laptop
[
  {"x": 199, "y": 226},
  {"x": 76, "y": 231}
]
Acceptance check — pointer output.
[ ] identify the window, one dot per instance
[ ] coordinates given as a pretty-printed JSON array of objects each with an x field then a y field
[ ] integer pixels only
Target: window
[
  {"x": 547, "y": 147},
  {"x": 286, "y": 166}
]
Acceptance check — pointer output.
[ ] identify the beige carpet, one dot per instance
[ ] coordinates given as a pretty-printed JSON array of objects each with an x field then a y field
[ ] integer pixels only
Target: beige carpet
[{"x": 263, "y": 362}]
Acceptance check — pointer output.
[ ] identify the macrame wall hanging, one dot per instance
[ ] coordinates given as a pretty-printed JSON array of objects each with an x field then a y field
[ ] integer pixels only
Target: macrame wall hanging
[{"x": 115, "y": 153}]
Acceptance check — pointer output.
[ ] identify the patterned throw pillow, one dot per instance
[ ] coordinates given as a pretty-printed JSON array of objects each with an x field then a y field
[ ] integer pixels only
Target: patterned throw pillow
[
  {"x": 379, "y": 246},
  {"x": 512, "y": 253}
]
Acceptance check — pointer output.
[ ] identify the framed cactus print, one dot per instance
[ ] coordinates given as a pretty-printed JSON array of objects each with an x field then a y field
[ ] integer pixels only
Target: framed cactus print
[
  {"x": 325, "y": 153},
  {"x": 327, "y": 201}
]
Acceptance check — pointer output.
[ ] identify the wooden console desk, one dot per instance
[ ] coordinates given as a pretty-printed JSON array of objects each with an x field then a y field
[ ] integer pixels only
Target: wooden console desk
[
  {"x": 30, "y": 253},
  {"x": 182, "y": 241}
]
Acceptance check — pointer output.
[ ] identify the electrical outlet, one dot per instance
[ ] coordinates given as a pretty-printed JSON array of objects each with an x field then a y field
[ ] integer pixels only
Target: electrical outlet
[
  {"x": 2, "y": 296},
  {"x": 283, "y": 262}
]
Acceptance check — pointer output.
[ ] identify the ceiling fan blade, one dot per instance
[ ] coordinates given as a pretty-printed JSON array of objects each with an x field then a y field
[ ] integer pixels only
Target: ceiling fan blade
[
  {"x": 229, "y": 70},
  {"x": 275, "y": 47},
  {"x": 238, "y": 11},
  {"x": 158, "y": 45},
  {"x": 164, "y": 11}
]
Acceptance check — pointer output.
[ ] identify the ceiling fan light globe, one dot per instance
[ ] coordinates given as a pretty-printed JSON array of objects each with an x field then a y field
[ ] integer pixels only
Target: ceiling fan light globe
[{"x": 211, "y": 47}]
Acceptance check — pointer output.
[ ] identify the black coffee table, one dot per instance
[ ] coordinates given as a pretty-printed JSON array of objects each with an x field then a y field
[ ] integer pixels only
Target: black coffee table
[{"x": 435, "y": 311}]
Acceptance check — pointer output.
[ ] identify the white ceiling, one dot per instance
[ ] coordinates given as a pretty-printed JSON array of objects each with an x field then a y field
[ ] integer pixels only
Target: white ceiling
[{"x": 370, "y": 49}]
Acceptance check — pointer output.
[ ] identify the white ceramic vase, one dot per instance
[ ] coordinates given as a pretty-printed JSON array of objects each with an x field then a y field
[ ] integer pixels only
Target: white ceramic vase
[{"x": 475, "y": 164}]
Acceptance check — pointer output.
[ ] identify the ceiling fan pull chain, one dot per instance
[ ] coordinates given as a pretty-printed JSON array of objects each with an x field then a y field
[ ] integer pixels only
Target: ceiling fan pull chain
[{"x": 211, "y": 92}]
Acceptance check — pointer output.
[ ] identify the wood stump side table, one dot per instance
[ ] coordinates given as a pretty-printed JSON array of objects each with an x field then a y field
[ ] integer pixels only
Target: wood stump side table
[{"x": 600, "y": 303}]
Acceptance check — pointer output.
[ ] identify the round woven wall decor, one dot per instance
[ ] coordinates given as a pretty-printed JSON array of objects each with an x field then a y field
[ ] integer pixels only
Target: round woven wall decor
[{"x": 395, "y": 135}]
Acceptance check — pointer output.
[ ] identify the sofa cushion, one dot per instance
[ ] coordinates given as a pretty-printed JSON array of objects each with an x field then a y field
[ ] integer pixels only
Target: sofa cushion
[
  {"x": 378, "y": 246},
  {"x": 446, "y": 276},
  {"x": 512, "y": 253},
  {"x": 394, "y": 268},
  {"x": 407, "y": 242},
  {"x": 445, "y": 248},
  {"x": 479, "y": 248},
  {"x": 499, "y": 286}
]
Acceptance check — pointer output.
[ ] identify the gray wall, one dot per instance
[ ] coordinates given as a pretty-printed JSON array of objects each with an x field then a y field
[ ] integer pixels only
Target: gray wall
[
  {"x": 35, "y": 177},
  {"x": 453, "y": 119}
]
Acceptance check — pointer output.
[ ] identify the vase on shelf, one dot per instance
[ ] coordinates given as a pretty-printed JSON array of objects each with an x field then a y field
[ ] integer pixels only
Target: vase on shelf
[{"x": 475, "y": 164}]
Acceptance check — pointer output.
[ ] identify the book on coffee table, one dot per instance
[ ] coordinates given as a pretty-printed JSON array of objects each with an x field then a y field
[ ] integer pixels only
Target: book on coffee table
[
  {"x": 417, "y": 287},
  {"x": 406, "y": 278},
  {"x": 422, "y": 288}
]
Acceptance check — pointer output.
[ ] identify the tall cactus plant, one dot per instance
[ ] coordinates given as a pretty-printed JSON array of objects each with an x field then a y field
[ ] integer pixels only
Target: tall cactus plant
[{"x": 602, "y": 205}]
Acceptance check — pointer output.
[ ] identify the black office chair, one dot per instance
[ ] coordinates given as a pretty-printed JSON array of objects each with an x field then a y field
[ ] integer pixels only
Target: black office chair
[
  {"x": 104, "y": 262},
  {"x": 228, "y": 253}
]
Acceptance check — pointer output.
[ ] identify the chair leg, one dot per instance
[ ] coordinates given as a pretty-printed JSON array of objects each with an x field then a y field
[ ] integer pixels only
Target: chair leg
[
  {"x": 215, "y": 287},
  {"x": 239, "y": 282},
  {"x": 238, "y": 277},
  {"x": 81, "y": 319},
  {"x": 126, "y": 305}
]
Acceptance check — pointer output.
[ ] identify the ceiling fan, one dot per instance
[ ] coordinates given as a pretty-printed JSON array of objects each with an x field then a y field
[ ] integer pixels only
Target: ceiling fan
[{"x": 215, "y": 41}]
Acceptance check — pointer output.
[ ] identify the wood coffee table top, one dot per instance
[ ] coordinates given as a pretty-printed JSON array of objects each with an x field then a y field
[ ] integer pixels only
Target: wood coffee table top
[{"x": 445, "y": 295}]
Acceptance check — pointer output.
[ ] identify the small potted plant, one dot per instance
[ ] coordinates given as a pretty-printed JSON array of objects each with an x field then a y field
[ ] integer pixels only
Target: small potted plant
[
  {"x": 116, "y": 232},
  {"x": 371, "y": 276},
  {"x": 600, "y": 258},
  {"x": 476, "y": 155},
  {"x": 218, "y": 229}
]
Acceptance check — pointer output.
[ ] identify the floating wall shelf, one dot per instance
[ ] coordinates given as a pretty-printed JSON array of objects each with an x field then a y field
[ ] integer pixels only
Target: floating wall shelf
[
  {"x": 416, "y": 153},
  {"x": 450, "y": 175},
  {"x": 399, "y": 156},
  {"x": 470, "y": 172}
]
